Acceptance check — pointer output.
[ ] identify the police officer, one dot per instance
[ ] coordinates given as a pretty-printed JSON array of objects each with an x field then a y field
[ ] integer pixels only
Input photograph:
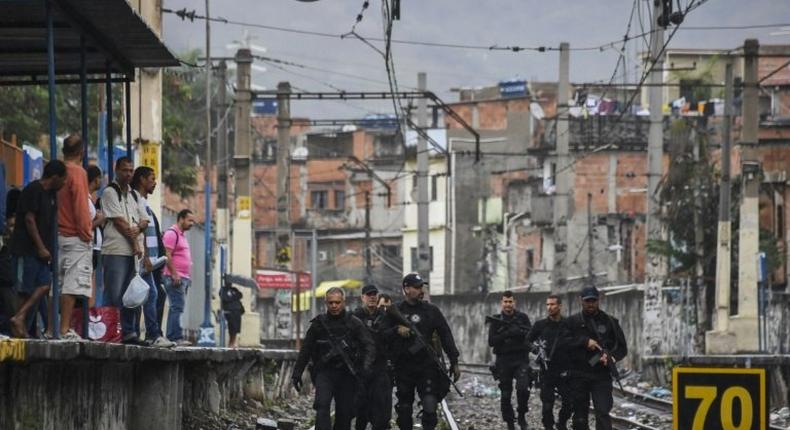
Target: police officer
[
  {"x": 374, "y": 402},
  {"x": 549, "y": 334},
  {"x": 341, "y": 351},
  {"x": 595, "y": 342},
  {"x": 507, "y": 334},
  {"x": 415, "y": 355}
]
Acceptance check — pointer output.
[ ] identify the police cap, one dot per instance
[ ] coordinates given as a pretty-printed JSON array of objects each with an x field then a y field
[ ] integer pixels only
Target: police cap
[{"x": 413, "y": 280}]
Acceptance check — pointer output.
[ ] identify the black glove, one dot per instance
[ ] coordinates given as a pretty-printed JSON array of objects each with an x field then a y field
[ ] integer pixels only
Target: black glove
[{"x": 297, "y": 383}]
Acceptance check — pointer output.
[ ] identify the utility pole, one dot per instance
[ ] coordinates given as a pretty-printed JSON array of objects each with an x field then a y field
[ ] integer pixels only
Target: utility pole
[
  {"x": 655, "y": 267},
  {"x": 745, "y": 323},
  {"x": 423, "y": 235},
  {"x": 207, "y": 328},
  {"x": 698, "y": 286},
  {"x": 222, "y": 181},
  {"x": 241, "y": 260},
  {"x": 590, "y": 247},
  {"x": 720, "y": 339},
  {"x": 283, "y": 230},
  {"x": 242, "y": 224},
  {"x": 283, "y": 170},
  {"x": 368, "y": 270},
  {"x": 222, "y": 156},
  {"x": 563, "y": 171}
]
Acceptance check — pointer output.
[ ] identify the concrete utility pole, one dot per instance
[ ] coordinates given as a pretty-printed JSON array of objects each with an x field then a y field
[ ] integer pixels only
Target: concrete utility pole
[
  {"x": 745, "y": 323},
  {"x": 655, "y": 267},
  {"x": 423, "y": 234},
  {"x": 368, "y": 269},
  {"x": 563, "y": 173},
  {"x": 241, "y": 262},
  {"x": 283, "y": 168},
  {"x": 590, "y": 244},
  {"x": 222, "y": 154},
  {"x": 283, "y": 244},
  {"x": 241, "y": 259},
  {"x": 720, "y": 340}
]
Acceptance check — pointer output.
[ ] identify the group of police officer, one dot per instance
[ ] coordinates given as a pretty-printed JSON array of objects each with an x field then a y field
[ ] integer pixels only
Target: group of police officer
[
  {"x": 355, "y": 358},
  {"x": 576, "y": 359}
]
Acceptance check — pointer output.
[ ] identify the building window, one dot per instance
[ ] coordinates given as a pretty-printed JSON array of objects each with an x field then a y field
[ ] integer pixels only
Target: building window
[
  {"x": 390, "y": 251},
  {"x": 434, "y": 188},
  {"x": 340, "y": 200},
  {"x": 318, "y": 199},
  {"x": 530, "y": 261},
  {"x": 414, "y": 262}
]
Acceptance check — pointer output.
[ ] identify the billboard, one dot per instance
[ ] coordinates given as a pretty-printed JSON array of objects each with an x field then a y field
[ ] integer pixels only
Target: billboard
[{"x": 278, "y": 279}]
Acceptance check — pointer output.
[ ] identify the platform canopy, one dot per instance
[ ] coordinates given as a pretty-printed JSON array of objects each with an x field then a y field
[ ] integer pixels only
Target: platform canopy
[{"x": 116, "y": 39}]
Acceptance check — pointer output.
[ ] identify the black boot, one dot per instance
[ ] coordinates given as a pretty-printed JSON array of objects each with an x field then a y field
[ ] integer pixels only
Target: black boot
[
  {"x": 522, "y": 421},
  {"x": 510, "y": 425}
]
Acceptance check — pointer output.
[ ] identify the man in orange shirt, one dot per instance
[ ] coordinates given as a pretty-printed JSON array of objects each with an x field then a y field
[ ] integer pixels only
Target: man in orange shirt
[{"x": 75, "y": 235}]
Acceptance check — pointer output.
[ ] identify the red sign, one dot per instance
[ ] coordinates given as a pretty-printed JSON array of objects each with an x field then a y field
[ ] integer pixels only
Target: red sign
[{"x": 282, "y": 280}]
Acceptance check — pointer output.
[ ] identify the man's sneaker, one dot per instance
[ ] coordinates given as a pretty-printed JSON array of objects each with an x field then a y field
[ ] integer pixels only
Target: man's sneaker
[
  {"x": 132, "y": 339},
  {"x": 162, "y": 342},
  {"x": 4, "y": 337},
  {"x": 71, "y": 336},
  {"x": 183, "y": 342}
]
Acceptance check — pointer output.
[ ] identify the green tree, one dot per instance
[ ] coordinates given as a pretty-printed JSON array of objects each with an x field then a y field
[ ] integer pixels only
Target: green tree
[
  {"x": 184, "y": 111},
  {"x": 25, "y": 111}
]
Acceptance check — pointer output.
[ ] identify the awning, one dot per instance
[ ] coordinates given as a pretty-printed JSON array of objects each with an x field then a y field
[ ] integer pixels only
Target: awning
[
  {"x": 114, "y": 34},
  {"x": 348, "y": 284}
]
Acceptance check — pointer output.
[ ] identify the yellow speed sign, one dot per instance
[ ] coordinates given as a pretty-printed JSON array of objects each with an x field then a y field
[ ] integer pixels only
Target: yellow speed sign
[{"x": 719, "y": 399}]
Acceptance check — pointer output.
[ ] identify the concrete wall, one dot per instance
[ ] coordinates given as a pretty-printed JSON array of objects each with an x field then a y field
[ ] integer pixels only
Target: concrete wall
[
  {"x": 466, "y": 315},
  {"x": 55, "y": 385}
]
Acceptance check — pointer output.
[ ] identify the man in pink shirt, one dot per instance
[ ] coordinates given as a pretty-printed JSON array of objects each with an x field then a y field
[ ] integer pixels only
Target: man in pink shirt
[
  {"x": 177, "y": 276},
  {"x": 75, "y": 234}
]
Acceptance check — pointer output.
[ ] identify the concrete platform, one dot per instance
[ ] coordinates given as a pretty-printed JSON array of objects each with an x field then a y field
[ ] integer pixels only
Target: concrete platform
[{"x": 78, "y": 385}]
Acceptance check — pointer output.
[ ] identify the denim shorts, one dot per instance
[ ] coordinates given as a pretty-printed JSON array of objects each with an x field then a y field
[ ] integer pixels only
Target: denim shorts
[{"x": 35, "y": 273}]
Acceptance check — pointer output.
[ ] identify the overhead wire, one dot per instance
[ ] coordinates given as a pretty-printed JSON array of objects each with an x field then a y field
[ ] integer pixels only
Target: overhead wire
[{"x": 191, "y": 15}]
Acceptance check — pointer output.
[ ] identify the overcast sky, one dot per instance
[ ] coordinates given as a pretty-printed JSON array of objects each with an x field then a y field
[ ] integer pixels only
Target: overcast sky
[{"x": 526, "y": 23}]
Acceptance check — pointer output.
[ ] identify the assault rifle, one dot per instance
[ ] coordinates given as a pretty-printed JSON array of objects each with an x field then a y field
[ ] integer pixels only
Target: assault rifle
[
  {"x": 338, "y": 350},
  {"x": 610, "y": 364},
  {"x": 421, "y": 343},
  {"x": 490, "y": 318}
]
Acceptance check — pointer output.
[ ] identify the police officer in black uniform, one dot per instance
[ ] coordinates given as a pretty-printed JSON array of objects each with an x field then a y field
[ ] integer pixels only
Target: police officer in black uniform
[
  {"x": 596, "y": 341},
  {"x": 414, "y": 361},
  {"x": 507, "y": 334},
  {"x": 374, "y": 402},
  {"x": 341, "y": 351},
  {"x": 549, "y": 334}
]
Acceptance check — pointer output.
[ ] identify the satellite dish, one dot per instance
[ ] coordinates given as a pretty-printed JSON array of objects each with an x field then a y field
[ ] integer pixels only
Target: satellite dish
[{"x": 536, "y": 110}]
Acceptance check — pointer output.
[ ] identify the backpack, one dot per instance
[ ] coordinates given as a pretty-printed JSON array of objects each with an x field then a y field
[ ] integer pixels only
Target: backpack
[
  {"x": 117, "y": 189},
  {"x": 177, "y": 238}
]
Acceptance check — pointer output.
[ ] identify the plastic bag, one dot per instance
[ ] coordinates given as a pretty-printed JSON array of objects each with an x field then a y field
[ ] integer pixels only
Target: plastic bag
[{"x": 137, "y": 292}]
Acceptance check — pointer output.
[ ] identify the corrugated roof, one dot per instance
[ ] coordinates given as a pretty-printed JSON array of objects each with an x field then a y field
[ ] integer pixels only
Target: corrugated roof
[{"x": 113, "y": 32}]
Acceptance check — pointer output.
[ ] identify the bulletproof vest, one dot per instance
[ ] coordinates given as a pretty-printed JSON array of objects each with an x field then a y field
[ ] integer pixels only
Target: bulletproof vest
[{"x": 341, "y": 335}]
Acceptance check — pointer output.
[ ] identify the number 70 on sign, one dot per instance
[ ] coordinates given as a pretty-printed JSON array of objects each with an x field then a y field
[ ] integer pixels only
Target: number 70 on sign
[{"x": 719, "y": 399}]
